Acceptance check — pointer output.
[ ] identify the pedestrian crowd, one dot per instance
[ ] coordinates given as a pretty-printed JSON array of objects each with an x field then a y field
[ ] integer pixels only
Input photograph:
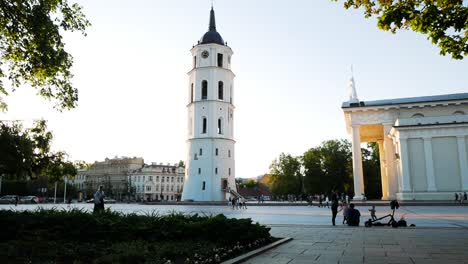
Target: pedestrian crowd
[
  {"x": 237, "y": 203},
  {"x": 461, "y": 198}
]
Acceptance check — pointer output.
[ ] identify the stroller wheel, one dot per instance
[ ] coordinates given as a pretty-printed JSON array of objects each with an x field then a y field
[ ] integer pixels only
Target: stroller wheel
[{"x": 368, "y": 223}]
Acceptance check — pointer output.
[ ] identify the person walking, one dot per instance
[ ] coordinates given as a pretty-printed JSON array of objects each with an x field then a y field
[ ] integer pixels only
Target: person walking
[
  {"x": 465, "y": 196},
  {"x": 99, "y": 200},
  {"x": 334, "y": 207},
  {"x": 456, "y": 197},
  {"x": 372, "y": 213}
]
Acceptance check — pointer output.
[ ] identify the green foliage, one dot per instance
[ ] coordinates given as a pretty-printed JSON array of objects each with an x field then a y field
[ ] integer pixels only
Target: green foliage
[
  {"x": 328, "y": 167},
  {"x": 286, "y": 177},
  {"x": 26, "y": 152},
  {"x": 444, "y": 22},
  {"x": 249, "y": 183},
  {"x": 32, "y": 51},
  {"x": 110, "y": 237},
  {"x": 371, "y": 170}
]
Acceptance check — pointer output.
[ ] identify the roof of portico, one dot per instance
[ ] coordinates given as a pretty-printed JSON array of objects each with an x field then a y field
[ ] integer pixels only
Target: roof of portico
[{"x": 408, "y": 100}]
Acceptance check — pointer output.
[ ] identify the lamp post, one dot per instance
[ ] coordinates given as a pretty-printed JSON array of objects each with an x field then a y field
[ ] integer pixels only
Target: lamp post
[{"x": 65, "y": 189}]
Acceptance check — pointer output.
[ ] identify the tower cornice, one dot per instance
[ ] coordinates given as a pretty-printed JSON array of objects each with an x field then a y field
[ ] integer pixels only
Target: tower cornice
[
  {"x": 213, "y": 67},
  {"x": 215, "y": 101}
]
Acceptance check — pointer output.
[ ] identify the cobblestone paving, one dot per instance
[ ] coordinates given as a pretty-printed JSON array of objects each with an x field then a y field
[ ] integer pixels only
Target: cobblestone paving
[{"x": 380, "y": 245}]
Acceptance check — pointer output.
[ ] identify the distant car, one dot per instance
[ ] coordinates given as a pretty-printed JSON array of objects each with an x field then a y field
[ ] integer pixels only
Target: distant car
[
  {"x": 29, "y": 200},
  {"x": 109, "y": 201},
  {"x": 106, "y": 201},
  {"x": 7, "y": 199}
]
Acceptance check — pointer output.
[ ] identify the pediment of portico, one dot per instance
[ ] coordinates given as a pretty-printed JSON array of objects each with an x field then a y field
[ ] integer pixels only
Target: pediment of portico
[{"x": 369, "y": 118}]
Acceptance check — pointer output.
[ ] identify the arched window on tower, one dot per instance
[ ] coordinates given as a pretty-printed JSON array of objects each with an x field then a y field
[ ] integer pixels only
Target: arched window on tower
[
  {"x": 220, "y": 90},
  {"x": 458, "y": 113},
  {"x": 204, "y": 126},
  {"x": 417, "y": 115},
  {"x": 194, "y": 61},
  {"x": 203, "y": 186},
  {"x": 220, "y": 124},
  {"x": 191, "y": 93},
  {"x": 204, "y": 90},
  {"x": 216, "y": 151},
  {"x": 230, "y": 95},
  {"x": 220, "y": 60}
]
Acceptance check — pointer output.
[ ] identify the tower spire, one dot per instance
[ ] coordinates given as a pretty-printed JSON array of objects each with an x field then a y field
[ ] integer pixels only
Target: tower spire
[
  {"x": 212, "y": 19},
  {"x": 352, "y": 88}
]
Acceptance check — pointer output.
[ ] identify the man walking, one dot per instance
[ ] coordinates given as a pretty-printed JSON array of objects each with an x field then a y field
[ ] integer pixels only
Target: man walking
[
  {"x": 99, "y": 200},
  {"x": 334, "y": 206}
]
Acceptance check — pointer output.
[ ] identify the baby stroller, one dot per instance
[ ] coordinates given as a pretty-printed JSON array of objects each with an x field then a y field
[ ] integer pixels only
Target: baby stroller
[{"x": 391, "y": 222}]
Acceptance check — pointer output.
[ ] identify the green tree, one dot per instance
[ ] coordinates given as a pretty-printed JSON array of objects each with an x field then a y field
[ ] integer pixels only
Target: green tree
[
  {"x": 286, "y": 176},
  {"x": 26, "y": 153},
  {"x": 371, "y": 170},
  {"x": 249, "y": 183},
  {"x": 444, "y": 22},
  {"x": 32, "y": 51},
  {"x": 328, "y": 167}
]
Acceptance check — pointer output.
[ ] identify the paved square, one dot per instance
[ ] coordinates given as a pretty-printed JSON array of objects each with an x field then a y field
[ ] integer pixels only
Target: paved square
[{"x": 380, "y": 245}]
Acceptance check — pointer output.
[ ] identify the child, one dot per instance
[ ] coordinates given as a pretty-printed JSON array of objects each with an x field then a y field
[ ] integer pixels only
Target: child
[
  {"x": 372, "y": 213},
  {"x": 344, "y": 207}
]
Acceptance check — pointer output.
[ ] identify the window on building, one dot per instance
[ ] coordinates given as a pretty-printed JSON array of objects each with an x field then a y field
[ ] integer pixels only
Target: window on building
[
  {"x": 172, "y": 179},
  {"x": 194, "y": 61},
  {"x": 220, "y": 90},
  {"x": 191, "y": 93},
  {"x": 151, "y": 178},
  {"x": 229, "y": 153},
  {"x": 417, "y": 115},
  {"x": 162, "y": 179},
  {"x": 204, "y": 90},
  {"x": 195, "y": 157},
  {"x": 204, "y": 125},
  {"x": 458, "y": 113},
  {"x": 157, "y": 178},
  {"x": 216, "y": 151},
  {"x": 220, "y": 123},
  {"x": 220, "y": 60},
  {"x": 201, "y": 152},
  {"x": 167, "y": 179},
  {"x": 216, "y": 170},
  {"x": 144, "y": 178},
  {"x": 157, "y": 187},
  {"x": 229, "y": 171},
  {"x": 199, "y": 170},
  {"x": 172, "y": 188},
  {"x": 203, "y": 186}
]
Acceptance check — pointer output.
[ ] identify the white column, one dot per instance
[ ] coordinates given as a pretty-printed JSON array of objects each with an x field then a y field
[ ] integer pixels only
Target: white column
[
  {"x": 357, "y": 164},
  {"x": 463, "y": 161},
  {"x": 383, "y": 170},
  {"x": 389, "y": 150},
  {"x": 404, "y": 157},
  {"x": 431, "y": 185}
]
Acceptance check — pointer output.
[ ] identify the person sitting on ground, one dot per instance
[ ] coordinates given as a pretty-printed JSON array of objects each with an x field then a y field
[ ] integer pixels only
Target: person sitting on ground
[
  {"x": 372, "y": 213},
  {"x": 353, "y": 216}
]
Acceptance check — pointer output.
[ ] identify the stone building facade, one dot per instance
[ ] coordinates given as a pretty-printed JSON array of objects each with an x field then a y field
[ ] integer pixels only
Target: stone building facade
[
  {"x": 423, "y": 143},
  {"x": 112, "y": 175},
  {"x": 157, "y": 182}
]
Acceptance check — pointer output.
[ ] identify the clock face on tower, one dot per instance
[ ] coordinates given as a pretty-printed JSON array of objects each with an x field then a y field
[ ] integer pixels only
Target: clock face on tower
[{"x": 205, "y": 54}]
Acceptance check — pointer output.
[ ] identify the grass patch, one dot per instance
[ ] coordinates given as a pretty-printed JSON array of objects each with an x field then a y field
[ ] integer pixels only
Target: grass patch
[{"x": 76, "y": 236}]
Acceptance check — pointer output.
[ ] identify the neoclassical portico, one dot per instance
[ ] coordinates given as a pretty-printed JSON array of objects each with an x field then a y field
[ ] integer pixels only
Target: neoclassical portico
[{"x": 422, "y": 144}]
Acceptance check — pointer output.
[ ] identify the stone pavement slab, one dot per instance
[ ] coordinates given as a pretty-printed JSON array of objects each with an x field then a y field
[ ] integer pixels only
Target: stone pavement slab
[{"x": 380, "y": 245}]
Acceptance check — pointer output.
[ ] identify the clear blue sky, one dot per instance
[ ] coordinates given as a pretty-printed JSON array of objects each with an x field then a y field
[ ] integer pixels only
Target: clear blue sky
[{"x": 292, "y": 61}]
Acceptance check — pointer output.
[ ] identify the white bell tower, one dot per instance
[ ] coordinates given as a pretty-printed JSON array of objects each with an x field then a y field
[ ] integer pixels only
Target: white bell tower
[{"x": 210, "y": 164}]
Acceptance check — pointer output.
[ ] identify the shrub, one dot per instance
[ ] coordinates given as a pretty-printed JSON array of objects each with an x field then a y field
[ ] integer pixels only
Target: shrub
[{"x": 75, "y": 236}]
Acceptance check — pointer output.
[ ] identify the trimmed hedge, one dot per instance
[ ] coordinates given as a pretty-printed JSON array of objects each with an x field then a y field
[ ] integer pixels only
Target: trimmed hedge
[{"x": 76, "y": 236}]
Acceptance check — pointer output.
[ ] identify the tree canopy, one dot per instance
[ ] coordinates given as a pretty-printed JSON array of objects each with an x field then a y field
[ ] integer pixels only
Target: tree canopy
[
  {"x": 286, "y": 177},
  {"x": 26, "y": 153},
  {"x": 444, "y": 22},
  {"x": 32, "y": 51}
]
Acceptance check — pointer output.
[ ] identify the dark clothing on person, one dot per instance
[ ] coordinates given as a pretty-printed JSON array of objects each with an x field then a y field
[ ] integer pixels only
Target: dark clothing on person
[
  {"x": 353, "y": 217},
  {"x": 334, "y": 207}
]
